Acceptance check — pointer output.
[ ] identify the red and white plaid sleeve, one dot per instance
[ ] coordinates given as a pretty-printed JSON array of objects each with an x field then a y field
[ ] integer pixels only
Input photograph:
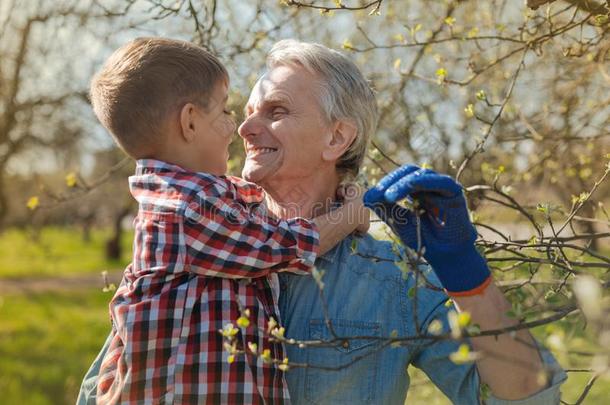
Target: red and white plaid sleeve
[{"x": 226, "y": 236}]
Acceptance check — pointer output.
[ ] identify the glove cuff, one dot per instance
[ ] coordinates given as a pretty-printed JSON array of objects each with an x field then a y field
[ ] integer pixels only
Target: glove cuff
[{"x": 462, "y": 273}]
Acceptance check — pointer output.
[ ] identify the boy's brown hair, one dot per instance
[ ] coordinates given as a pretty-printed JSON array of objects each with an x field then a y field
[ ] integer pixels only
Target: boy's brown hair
[{"x": 146, "y": 79}]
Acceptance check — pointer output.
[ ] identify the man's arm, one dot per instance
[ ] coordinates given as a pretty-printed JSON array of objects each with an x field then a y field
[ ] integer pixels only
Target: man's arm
[
  {"x": 442, "y": 230},
  {"x": 510, "y": 364},
  {"x": 460, "y": 382}
]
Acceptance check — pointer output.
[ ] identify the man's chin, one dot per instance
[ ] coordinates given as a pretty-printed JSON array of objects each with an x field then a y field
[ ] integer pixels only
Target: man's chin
[{"x": 255, "y": 173}]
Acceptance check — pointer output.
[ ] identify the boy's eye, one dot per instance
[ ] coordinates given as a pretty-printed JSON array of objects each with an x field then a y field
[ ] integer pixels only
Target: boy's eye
[{"x": 227, "y": 112}]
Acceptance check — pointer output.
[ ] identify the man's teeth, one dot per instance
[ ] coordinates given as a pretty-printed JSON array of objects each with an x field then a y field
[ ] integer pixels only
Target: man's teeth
[{"x": 259, "y": 151}]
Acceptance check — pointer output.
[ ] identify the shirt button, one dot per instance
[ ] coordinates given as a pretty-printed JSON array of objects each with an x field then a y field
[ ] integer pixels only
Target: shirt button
[{"x": 345, "y": 344}]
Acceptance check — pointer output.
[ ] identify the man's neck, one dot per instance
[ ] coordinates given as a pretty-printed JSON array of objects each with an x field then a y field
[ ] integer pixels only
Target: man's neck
[{"x": 301, "y": 197}]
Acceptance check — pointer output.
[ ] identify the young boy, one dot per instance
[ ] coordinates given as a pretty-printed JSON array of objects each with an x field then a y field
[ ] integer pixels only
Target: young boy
[{"x": 204, "y": 255}]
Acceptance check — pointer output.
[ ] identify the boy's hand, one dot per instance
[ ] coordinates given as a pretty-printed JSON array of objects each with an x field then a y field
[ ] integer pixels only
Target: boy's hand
[{"x": 351, "y": 194}]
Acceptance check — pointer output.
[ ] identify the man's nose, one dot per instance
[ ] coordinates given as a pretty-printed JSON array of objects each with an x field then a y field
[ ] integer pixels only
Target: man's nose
[{"x": 250, "y": 126}]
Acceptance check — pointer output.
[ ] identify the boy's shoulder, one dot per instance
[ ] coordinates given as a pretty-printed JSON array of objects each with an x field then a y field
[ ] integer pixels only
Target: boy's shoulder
[
  {"x": 225, "y": 187},
  {"x": 161, "y": 181},
  {"x": 158, "y": 181}
]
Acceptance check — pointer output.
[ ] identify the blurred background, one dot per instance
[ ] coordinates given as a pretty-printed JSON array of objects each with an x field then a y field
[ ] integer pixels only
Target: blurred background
[{"x": 514, "y": 102}]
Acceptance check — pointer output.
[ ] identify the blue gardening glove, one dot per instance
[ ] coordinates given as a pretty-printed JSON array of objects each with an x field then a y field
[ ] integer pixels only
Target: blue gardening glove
[{"x": 446, "y": 231}]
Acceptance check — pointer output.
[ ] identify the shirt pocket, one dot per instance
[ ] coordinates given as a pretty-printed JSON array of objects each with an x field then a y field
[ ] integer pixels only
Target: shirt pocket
[{"x": 357, "y": 359}]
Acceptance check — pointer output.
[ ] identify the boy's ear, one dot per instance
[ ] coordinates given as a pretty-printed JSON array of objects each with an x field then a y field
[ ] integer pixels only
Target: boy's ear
[
  {"x": 187, "y": 122},
  {"x": 343, "y": 133}
]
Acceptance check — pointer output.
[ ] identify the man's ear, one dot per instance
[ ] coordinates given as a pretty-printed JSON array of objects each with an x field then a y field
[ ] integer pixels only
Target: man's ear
[
  {"x": 343, "y": 133},
  {"x": 187, "y": 122}
]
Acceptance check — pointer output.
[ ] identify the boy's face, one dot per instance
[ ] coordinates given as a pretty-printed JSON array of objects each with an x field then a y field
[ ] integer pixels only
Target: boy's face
[{"x": 215, "y": 129}]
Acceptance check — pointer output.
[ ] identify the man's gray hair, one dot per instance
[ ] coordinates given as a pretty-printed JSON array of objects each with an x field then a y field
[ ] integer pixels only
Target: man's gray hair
[{"x": 345, "y": 93}]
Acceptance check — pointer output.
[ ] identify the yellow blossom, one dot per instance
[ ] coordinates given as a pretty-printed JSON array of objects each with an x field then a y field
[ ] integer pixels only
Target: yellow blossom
[
  {"x": 266, "y": 356},
  {"x": 469, "y": 111},
  {"x": 397, "y": 64},
  {"x": 284, "y": 366},
  {"x": 435, "y": 327},
  {"x": 278, "y": 332},
  {"x": 33, "y": 203},
  {"x": 228, "y": 331},
  {"x": 71, "y": 179},
  {"x": 441, "y": 74},
  {"x": 463, "y": 319},
  {"x": 463, "y": 355},
  {"x": 253, "y": 347},
  {"x": 271, "y": 324},
  {"x": 243, "y": 322}
]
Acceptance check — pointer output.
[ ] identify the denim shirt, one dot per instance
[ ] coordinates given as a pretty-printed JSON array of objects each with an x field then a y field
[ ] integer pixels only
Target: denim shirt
[{"x": 366, "y": 295}]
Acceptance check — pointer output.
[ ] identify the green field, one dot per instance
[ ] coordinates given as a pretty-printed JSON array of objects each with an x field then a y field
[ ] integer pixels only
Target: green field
[
  {"x": 47, "y": 342},
  {"x": 49, "y": 339},
  {"x": 56, "y": 251}
]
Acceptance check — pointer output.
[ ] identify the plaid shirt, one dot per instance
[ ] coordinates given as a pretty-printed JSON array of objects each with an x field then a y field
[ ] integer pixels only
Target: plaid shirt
[{"x": 201, "y": 254}]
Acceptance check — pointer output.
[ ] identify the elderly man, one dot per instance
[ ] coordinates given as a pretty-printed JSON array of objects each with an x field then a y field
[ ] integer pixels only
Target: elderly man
[{"x": 308, "y": 121}]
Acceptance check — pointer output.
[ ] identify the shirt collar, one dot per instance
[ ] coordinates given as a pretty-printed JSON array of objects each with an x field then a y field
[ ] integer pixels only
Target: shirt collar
[
  {"x": 332, "y": 255},
  {"x": 367, "y": 247},
  {"x": 147, "y": 166}
]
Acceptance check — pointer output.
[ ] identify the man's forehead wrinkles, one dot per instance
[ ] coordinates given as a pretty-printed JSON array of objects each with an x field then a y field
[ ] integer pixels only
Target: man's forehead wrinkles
[{"x": 275, "y": 97}]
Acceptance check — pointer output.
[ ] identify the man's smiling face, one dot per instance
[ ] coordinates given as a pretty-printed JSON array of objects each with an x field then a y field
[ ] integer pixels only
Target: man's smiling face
[{"x": 284, "y": 128}]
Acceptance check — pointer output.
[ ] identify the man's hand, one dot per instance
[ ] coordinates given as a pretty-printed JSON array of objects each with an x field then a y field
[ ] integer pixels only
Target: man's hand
[{"x": 446, "y": 232}]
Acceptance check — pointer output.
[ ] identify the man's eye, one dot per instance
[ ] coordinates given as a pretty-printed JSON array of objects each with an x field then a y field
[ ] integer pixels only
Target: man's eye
[
  {"x": 227, "y": 112},
  {"x": 278, "y": 112}
]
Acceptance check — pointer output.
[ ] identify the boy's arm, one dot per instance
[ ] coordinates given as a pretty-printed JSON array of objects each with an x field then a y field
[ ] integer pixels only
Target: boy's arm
[
  {"x": 339, "y": 223},
  {"x": 223, "y": 238},
  {"x": 334, "y": 226}
]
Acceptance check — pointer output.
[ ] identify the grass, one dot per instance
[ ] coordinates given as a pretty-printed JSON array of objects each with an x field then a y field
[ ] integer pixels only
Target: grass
[
  {"x": 47, "y": 342},
  {"x": 57, "y": 251}
]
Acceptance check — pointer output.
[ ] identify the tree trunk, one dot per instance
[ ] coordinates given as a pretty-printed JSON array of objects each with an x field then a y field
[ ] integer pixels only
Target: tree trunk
[
  {"x": 113, "y": 245},
  {"x": 3, "y": 199},
  {"x": 87, "y": 223}
]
